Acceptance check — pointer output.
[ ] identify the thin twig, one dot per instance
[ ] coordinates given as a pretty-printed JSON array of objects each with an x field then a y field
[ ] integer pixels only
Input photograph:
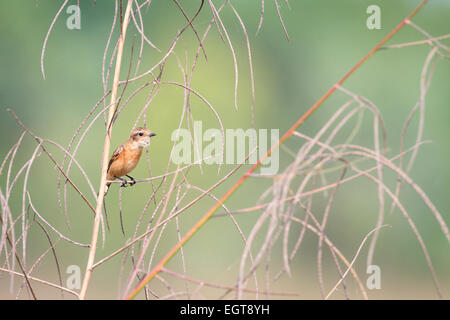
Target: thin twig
[{"x": 106, "y": 147}]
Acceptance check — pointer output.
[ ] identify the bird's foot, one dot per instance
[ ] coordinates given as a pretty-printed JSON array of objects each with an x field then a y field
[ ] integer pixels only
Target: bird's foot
[
  {"x": 124, "y": 182},
  {"x": 132, "y": 182}
]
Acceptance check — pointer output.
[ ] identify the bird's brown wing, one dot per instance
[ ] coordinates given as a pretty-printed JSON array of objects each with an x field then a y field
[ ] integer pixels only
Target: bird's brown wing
[{"x": 115, "y": 155}]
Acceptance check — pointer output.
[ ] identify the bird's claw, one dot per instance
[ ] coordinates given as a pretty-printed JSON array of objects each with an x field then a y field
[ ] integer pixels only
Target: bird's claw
[
  {"x": 126, "y": 183},
  {"x": 132, "y": 182}
]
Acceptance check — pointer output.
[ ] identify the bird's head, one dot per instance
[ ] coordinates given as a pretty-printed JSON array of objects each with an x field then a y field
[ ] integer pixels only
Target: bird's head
[{"x": 141, "y": 137}]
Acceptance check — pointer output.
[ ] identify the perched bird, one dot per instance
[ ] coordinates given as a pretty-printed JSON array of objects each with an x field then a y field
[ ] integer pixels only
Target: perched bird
[{"x": 126, "y": 157}]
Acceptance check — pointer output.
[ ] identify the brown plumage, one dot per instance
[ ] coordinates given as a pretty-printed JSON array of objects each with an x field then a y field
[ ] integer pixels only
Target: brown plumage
[{"x": 126, "y": 157}]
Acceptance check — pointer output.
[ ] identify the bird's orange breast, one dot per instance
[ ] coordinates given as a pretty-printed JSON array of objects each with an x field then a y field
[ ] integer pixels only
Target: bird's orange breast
[{"x": 125, "y": 162}]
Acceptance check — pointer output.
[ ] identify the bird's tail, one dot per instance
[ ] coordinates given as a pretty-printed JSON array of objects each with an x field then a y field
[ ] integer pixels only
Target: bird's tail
[{"x": 107, "y": 187}]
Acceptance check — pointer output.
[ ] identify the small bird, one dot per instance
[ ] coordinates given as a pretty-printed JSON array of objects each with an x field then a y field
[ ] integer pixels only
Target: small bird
[{"x": 126, "y": 157}]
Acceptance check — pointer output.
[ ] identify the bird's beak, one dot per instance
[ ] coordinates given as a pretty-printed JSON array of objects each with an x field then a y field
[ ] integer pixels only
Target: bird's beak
[{"x": 152, "y": 134}]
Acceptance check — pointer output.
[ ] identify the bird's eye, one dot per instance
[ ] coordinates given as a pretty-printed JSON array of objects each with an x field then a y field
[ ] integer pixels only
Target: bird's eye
[{"x": 141, "y": 134}]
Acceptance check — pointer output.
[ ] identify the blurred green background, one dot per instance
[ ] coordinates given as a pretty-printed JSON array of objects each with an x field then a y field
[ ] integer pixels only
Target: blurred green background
[{"x": 327, "y": 38}]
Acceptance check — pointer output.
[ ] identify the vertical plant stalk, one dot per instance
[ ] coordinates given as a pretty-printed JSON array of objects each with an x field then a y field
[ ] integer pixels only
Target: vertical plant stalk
[
  {"x": 106, "y": 149},
  {"x": 286, "y": 136}
]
